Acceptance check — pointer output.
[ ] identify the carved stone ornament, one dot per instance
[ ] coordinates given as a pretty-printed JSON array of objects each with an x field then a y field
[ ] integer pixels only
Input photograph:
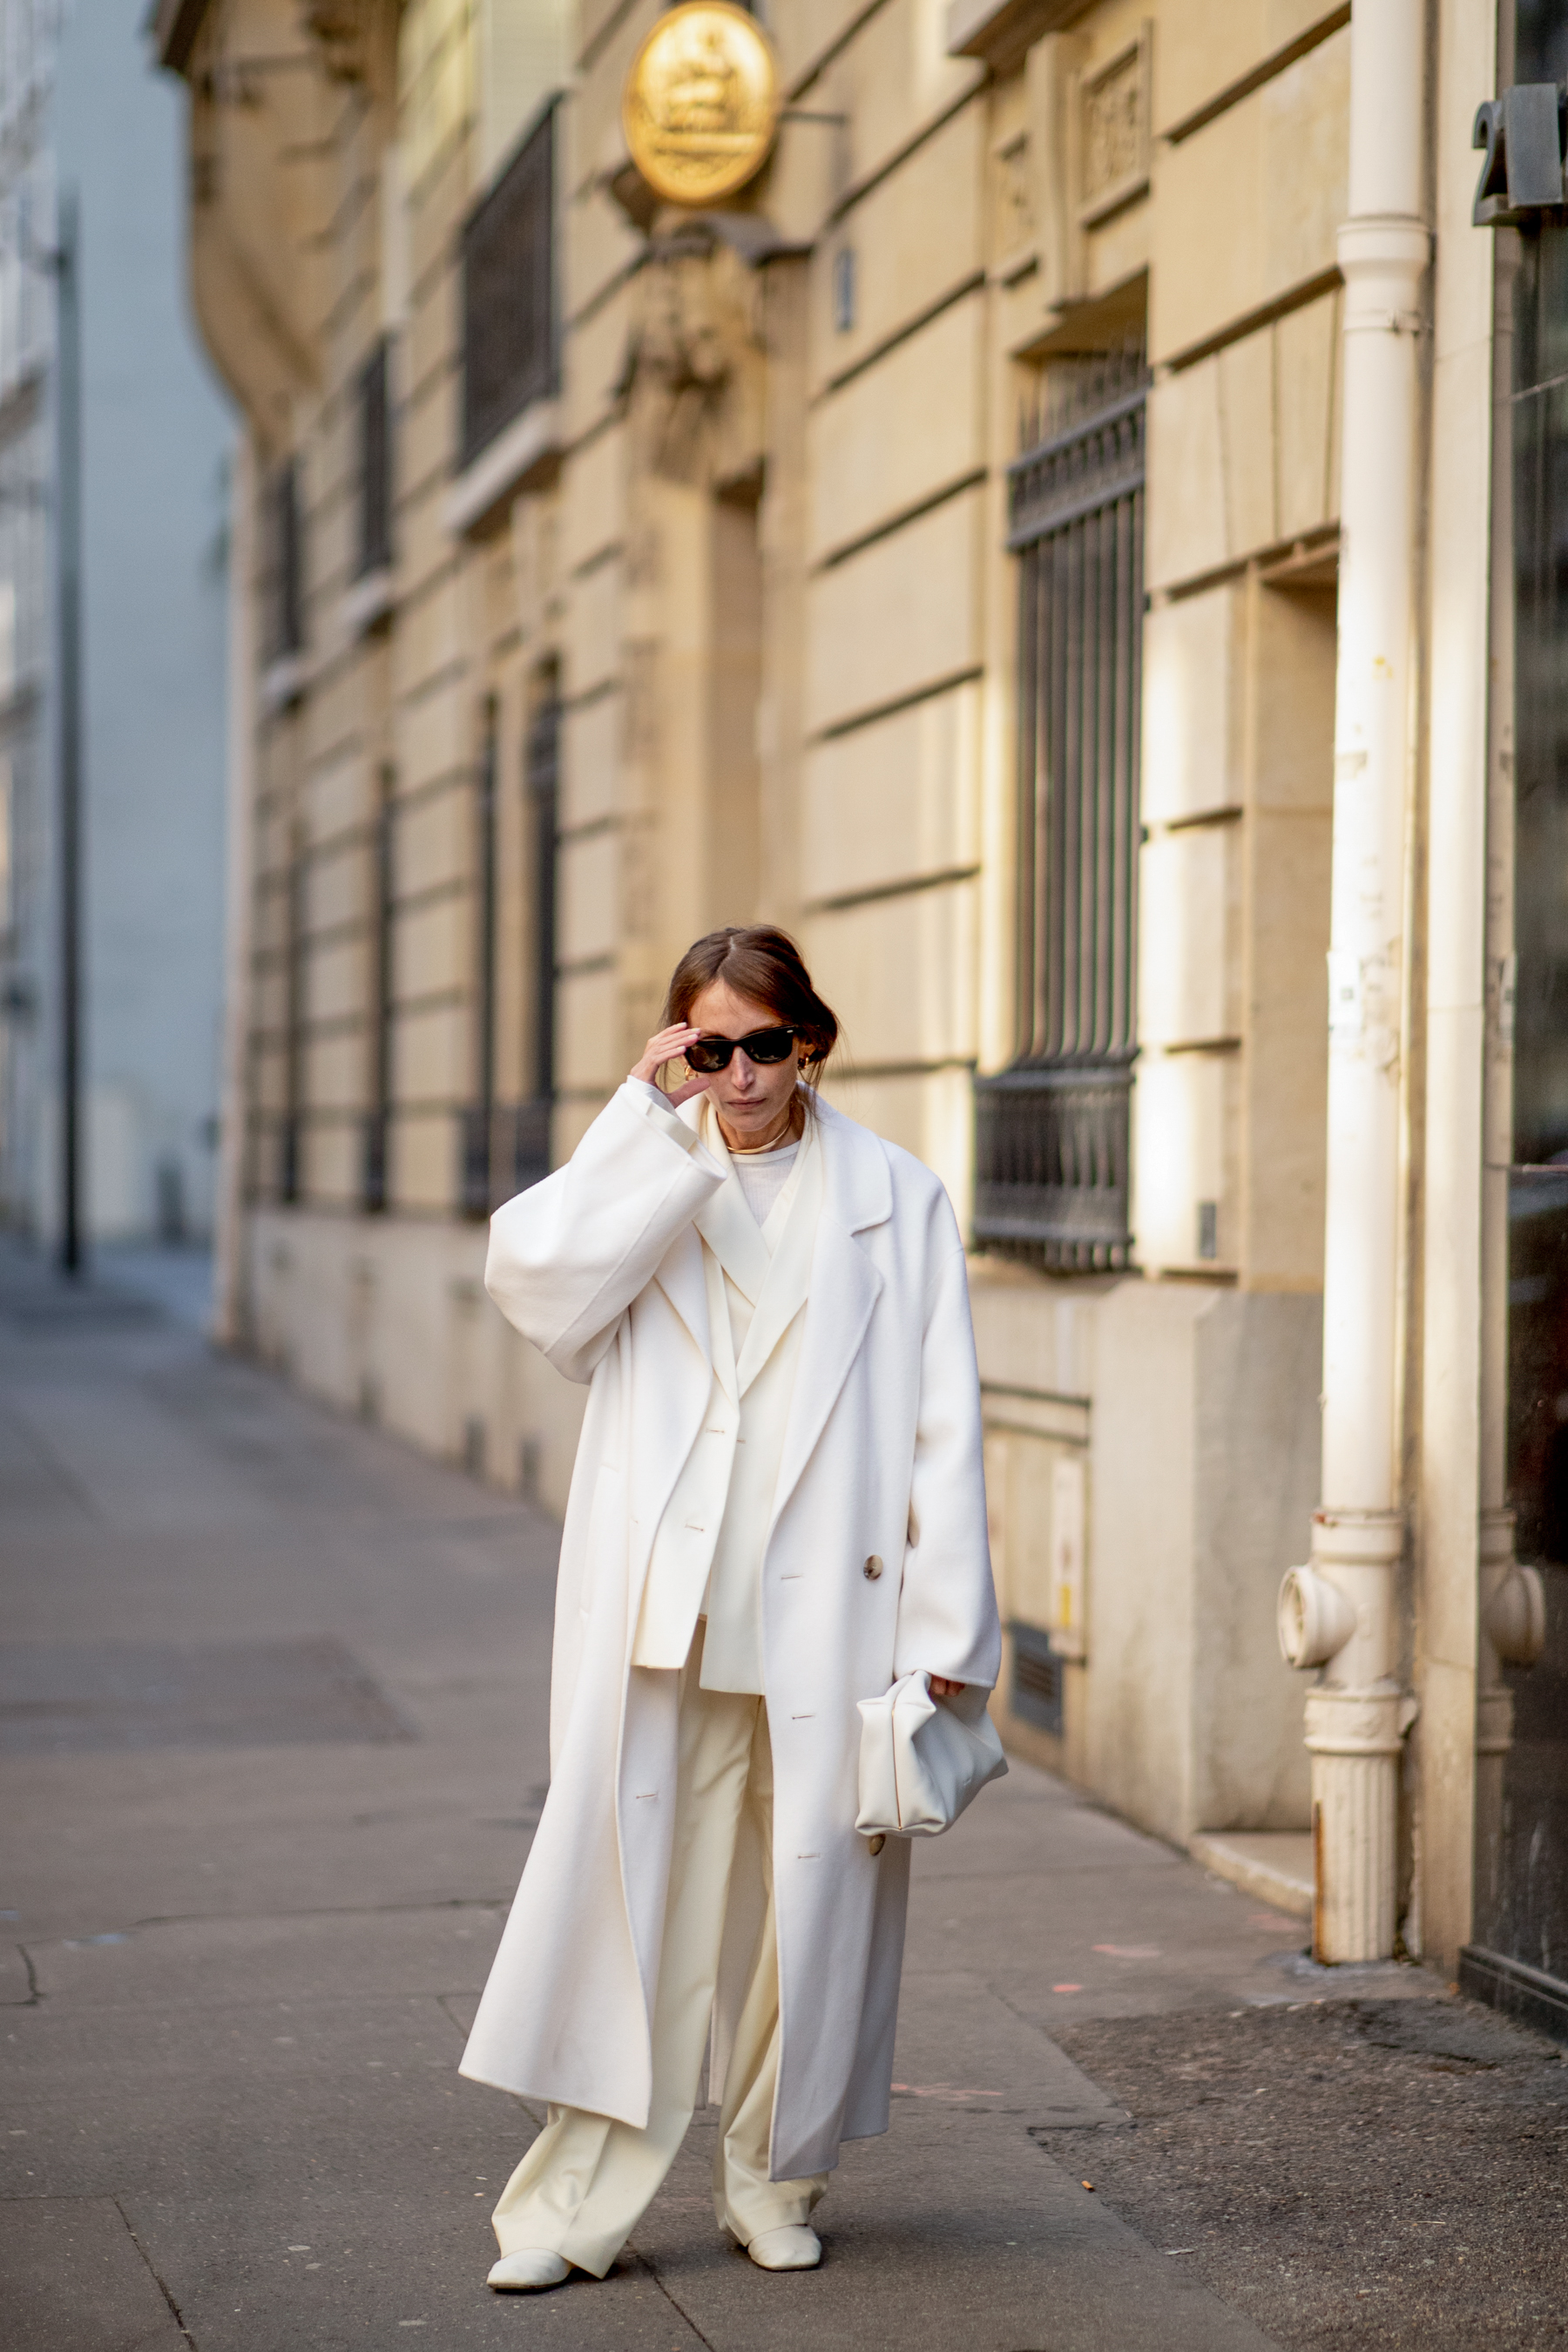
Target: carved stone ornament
[
  {"x": 700, "y": 103},
  {"x": 695, "y": 367},
  {"x": 1114, "y": 136}
]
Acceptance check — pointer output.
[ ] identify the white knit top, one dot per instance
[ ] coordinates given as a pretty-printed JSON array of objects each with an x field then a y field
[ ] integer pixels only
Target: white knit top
[{"x": 762, "y": 1176}]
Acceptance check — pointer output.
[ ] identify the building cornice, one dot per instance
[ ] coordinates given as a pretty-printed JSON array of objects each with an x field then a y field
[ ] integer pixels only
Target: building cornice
[
  {"x": 175, "y": 25},
  {"x": 1001, "y": 31}
]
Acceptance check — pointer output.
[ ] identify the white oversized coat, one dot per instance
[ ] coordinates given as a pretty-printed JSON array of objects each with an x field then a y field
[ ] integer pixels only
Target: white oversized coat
[{"x": 601, "y": 1265}]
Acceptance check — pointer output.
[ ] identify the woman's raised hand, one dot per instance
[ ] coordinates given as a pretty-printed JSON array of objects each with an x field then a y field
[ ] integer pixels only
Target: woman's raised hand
[
  {"x": 941, "y": 1688},
  {"x": 669, "y": 1046}
]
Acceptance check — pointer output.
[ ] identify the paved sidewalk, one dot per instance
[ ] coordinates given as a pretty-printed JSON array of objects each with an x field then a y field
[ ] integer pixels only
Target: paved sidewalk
[{"x": 272, "y": 1715}]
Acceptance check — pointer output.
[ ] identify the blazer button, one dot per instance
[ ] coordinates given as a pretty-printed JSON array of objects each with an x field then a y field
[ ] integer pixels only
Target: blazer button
[
  {"x": 873, "y": 1568},
  {"x": 874, "y": 1845}
]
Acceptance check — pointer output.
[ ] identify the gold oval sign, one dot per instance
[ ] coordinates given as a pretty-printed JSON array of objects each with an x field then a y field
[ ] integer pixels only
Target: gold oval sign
[{"x": 701, "y": 102}]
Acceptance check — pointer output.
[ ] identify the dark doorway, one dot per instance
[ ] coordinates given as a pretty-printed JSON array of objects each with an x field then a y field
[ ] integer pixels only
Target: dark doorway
[{"x": 1530, "y": 1906}]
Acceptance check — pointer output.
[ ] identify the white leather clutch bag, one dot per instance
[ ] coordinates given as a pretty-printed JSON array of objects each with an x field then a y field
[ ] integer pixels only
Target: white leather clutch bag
[{"x": 923, "y": 1759}]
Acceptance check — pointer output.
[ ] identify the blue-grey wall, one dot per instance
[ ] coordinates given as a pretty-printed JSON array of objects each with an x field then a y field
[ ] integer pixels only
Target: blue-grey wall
[{"x": 157, "y": 432}]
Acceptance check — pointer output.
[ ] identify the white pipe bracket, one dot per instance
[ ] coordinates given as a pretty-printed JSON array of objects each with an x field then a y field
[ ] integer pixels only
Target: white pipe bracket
[
  {"x": 1515, "y": 1616},
  {"x": 1316, "y": 1619}
]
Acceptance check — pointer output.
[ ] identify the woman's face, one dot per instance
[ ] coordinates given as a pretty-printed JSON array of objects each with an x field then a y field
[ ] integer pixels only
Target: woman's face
[{"x": 751, "y": 1098}]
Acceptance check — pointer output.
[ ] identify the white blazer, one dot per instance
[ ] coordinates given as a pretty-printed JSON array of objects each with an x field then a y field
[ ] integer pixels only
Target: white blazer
[
  {"x": 715, "y": 1524},
  {"x": 875, "y": 1563}
]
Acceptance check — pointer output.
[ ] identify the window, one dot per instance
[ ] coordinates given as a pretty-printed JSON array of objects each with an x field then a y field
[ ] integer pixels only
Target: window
[
  {"x": 531, "y": 1155},
  {"x": 1051, "y": 1141},
  {"x": 374, "y": 552},
  {"x": 479, "y": 1119},
  {"x": 8, "y": 854},
  {"x": 372, "y": 1184},
  {"x": 517, "y": 1145},
  {"x": 283, "y": 585},
  {"x": 295, "y": 950},
  {"x": 510, "y": 356}
]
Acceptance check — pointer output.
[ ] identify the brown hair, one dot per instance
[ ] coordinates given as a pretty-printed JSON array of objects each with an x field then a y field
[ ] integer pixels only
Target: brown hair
[{"x": 764, "y": 963}]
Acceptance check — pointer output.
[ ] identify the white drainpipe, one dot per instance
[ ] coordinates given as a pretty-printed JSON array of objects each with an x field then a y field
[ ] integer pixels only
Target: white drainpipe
[{"x": 1339, "y": 1612}]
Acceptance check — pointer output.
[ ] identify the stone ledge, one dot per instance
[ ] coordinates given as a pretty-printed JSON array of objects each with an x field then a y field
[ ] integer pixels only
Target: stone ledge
[
  {"x": 522, "y": 455},
  {"x": 282, "y": 684},
  {"x": 368, "y": 603},
  {"x": 1274, "y": 1866}
]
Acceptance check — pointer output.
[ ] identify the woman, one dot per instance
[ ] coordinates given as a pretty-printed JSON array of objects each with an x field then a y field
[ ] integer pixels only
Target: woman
[{"x": 777, "y": 1509}]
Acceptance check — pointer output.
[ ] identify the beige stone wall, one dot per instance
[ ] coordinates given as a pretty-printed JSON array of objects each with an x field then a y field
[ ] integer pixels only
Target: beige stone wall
[
  {"x": 770, "y": 573},
  {"x": 387, "y": 1319},
  {"x": 1239, "y": 640},
  {"x": 1196, "y": 1408}
]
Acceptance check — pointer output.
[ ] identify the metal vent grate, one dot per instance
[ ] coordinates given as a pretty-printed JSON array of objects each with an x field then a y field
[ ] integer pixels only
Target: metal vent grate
[{"x": 1037, "y": 1693}]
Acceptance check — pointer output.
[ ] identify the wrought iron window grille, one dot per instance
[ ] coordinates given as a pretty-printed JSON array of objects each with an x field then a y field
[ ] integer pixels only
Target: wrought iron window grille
[
  {"x": 477, "y": 1118},
  {"x": 289, "y": 1160},
  {"x": 544, "y": 778},
  {"x": 511, "y": 344},
  {"x": 372, "y": 1162},
  {"x": 504, "y": 1147},
  {"x": 284, "y": 598},
  {"x": 290, "y": 1154},
  {"x": 1052, "y": 1132},
  {"x": 374, "y": 398},
  {"x": 377, "y": 1122},
  {"x": 474, "y": 1137}
]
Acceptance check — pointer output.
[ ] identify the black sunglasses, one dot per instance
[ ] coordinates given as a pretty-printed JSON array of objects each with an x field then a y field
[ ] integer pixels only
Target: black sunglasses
[{"x": 711, "y": 1054}]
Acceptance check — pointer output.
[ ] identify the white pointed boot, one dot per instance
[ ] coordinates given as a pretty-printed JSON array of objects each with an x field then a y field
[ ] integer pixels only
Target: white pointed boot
[
  {"x": 529, "y": 2270},
  {"x": 792, "y": 2247}
]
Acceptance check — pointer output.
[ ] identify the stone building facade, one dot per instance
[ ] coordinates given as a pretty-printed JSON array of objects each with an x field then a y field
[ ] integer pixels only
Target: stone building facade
[{"x": 934, "y": 549}]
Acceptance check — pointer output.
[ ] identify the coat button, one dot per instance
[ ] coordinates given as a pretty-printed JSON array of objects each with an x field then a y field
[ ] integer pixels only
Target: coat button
[
  {"x": 874, "y": 1567},
  {"x": 875, "y": 1845}
]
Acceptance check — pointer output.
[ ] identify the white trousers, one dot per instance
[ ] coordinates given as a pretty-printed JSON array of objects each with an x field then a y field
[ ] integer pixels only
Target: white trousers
[{"x": 588, "y": 2180}]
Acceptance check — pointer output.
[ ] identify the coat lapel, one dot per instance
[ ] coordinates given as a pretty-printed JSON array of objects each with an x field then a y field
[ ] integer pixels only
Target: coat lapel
[
  {"x": 721, "y": 1338},
  {"x": 679, "y": 1274},
  {"x": 680, "y": 1277},
  {"x": 845, "y": 1285}
]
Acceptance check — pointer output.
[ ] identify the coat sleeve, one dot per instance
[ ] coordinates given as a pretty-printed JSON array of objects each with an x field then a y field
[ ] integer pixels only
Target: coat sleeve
[
  {"x": 947, "y": 1603},
  {"x": 568, "y": 1257}
]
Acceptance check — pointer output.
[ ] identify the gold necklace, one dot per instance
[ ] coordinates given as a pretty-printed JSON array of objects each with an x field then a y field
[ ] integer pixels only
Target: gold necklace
[
  {"x": 774, "y": 1143},
  {"x": 755, "y": 1150}
]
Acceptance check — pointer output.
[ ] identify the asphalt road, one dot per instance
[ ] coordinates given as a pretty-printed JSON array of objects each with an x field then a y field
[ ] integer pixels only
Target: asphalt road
[{"x": 272, "y": 1728}]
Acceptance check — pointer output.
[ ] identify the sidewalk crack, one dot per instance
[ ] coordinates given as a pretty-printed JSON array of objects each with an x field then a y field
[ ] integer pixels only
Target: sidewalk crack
[
  {"x": 80, "y": 1495},
  {"x": 35, "y": 1996},
  {"x": 652, "y": 2269},
  {"x": 323, "y": 1911},
  {"x": 158, "y": 2281}
]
